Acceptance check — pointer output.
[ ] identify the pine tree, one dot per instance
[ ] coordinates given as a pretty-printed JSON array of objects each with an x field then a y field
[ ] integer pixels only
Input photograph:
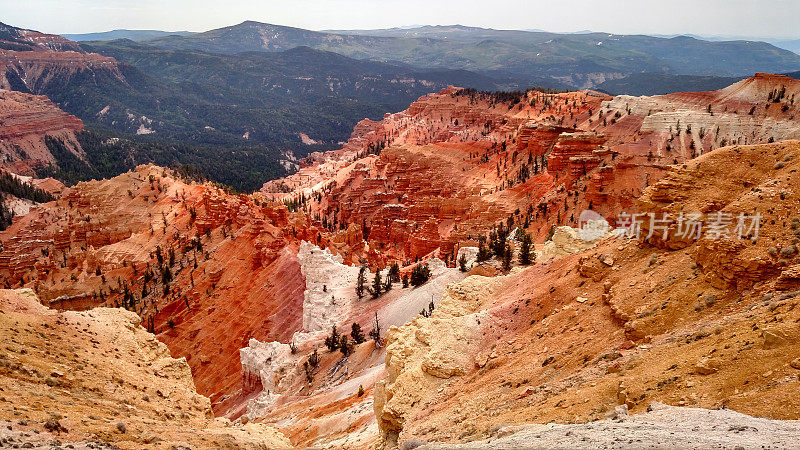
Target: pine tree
[
  {"x": 394, "y": 273},
  {"x": 332, "y": 341},
  {"x": 313, "y": 359},
  {"x": 345, "y": 346},
  {"x": 387, "y": 286},
  {"x": 356, "y": 333},
  {"x": 420, "y": 274},
  {"x": 462, "y": 263},
  {"x": 508, "y": 253},
  {"x": 526, "y": 255},
  {"x": 377, "y": 285},
  {"x": 362, "y": 278},
  {"x": 484, "y": 254},
  {"x": 375, "y": 333}
]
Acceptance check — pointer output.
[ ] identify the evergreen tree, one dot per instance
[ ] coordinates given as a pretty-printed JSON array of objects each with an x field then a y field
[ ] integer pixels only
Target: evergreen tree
[
  {"x": 420, "y": 274},
  {"x": 362, "y": 278},
  {"x": 345, "y": 346},
  {"x": 484, "y": 254},
  {"x": 313, "y": 359},
  {"x": 375, "y": 333},
  {"x": 356, "y": 333},
  {"x": 394, "y": 273},
  {"x": 508, "y": 253},
  {"x": 462, "y": 263},
  {"x": 377, "y": 285},
  {"x": 387, "y": 286},
  {"x": 526, "y": 255},
  {"x": 497, "y": 240},
  {"x": 332, "y": 341}
]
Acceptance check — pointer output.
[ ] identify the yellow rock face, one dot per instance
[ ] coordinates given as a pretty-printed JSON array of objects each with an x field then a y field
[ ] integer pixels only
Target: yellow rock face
[{"x": 99, "y": 375}]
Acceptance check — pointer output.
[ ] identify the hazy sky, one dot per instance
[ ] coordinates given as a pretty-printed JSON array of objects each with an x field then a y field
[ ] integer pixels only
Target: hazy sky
[{"x": 754, "y": 18}]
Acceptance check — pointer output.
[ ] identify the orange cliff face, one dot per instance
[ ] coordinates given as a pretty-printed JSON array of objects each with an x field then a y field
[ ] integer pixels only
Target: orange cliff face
[
  {"x": 30, "y": 60},
  {"x": 701, "y": 323},
  {"x": 25, "y": 120},
  {"x": 230, "y": 263},
  {"x": 456, "y": 163}
]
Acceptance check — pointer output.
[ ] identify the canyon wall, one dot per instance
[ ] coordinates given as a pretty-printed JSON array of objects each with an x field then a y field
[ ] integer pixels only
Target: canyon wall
[{"x": 25, "y": 121}]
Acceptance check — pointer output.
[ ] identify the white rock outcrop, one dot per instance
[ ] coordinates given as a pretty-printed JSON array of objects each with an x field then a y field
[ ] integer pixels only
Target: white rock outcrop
[
  {"x": 567, "y": 240},
  {"x": 270, "y": 361},
  {"x": 330, "y": 288},
  {"x": 471, "y": 255}
]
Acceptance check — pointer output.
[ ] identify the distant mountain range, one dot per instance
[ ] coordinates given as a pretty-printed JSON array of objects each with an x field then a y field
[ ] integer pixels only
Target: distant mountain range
[
  {"x": 134, "y": 35},
  {"x": 793, "y": 45},
  {"x": 576, "y": 60}
]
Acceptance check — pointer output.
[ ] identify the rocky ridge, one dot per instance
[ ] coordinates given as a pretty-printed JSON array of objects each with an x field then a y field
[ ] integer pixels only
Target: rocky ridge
[{"x": 106, "y": 382}]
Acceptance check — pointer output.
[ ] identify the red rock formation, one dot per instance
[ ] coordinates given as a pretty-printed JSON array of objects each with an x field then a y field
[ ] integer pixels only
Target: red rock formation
[
  {"x": 538, "y": 138},
  {"x": 36, "y": 70},
  {"x": 453, "y": 157},
  {"x": 101, "y": 243},
  {"x": 701, "y": 325},
  {"x": 25, "y": 120},
  {"x": 576, "y": 154}
]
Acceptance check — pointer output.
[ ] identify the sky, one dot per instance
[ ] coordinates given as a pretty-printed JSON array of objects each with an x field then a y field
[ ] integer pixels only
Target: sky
[{"x": 741, "y": 18}]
